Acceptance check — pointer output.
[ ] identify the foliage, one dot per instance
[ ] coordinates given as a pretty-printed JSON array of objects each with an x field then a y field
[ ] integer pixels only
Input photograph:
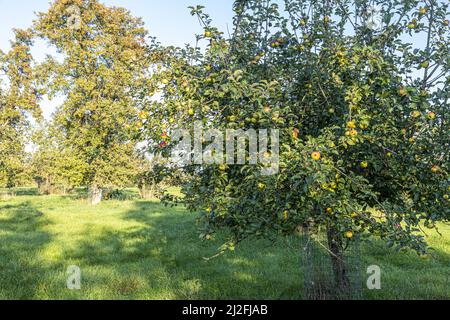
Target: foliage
[
  {"x": 363, "y": 116},
  {"x": 102, "y": 72},
  {"x": 19, "y": 99},
  {"x": 53, "y": 164}
]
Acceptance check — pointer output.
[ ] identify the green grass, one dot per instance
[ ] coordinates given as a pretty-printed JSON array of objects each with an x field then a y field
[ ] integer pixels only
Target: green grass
[{"x": 142, "y": 250}]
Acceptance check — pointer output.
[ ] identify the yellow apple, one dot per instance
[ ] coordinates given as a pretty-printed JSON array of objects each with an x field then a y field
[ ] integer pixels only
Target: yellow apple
[{"x": 316, "y": 155}]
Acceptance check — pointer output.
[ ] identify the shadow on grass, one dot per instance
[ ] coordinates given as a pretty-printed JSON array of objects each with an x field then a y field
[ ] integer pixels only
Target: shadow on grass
[
  {"x": 21, "y": 239},
  {"x": 156, "y": 254},
  {"x": 163, "y": 259}
]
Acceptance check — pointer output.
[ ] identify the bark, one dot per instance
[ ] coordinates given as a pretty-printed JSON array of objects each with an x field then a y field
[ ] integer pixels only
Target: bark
[
  {"x": 338, "y": 263},
  {"x": 96, "y": 195},
  {"x": 45, "y": 186},
  {"x": 147, "y": 192}
]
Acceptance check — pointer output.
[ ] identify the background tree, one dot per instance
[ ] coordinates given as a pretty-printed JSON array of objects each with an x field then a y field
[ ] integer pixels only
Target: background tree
[
  {"x": 54, "y": 166},
  {"x": 364, "y": 143},
  {"x": 19, "y": 96},
  {"x": 101, "y": 75}
]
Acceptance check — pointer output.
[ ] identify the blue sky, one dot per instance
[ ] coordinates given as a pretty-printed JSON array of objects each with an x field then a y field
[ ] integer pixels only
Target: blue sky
[{"x": 169, "y": 20}]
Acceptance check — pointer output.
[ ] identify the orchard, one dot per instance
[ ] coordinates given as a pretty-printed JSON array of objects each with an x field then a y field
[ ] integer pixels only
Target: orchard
[{"x": 358, "y": 91}]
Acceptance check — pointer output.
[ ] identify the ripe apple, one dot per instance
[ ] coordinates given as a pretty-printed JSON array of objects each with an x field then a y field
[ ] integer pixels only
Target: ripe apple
[
  {"x": 143, "y": 115},
  {"x": 316, "y": 156},
  {"x": 286, "y": 215},
  {"x": 351, "y": 124},
  {"x": 402, "y": 91},
  {"x": 415, "y": 114},
  {"x": 364, "y": 164},
  {"x": 423, "y": 10},
  {"x": 329, "y": 210},
  {"x": 349, "y": 234},
  {"x": 435, "y": 169},
  {"x": 261, "y": 186},
  {"x": 295, "y": 133},
  {"x": 191, "y": 112},
  {"x": 275, "y": 117},
  {"x": 222, "y": 167},
  {"x": 163, "y": 144},
  {"x": 364, "y": 124},
  {"x": 431, "y": 115},
  {"x": 208, "y": 34}
]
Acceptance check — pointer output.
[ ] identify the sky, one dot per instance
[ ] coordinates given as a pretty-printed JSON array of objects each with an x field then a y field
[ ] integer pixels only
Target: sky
[{"x": 169, "y": 20}]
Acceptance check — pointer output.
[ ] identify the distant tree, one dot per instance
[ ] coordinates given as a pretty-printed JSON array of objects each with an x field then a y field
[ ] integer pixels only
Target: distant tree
[
  {"x": 103, "y": 74},
  {"x": 53, "y": 164},
  {"x": 19, "y": 99},
  {"x": 153, "y": 175}
]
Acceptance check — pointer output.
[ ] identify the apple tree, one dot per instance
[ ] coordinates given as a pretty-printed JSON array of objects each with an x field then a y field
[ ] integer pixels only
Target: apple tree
[
  {"x": 101, "y": 68},
  {"x": 54, "y": 166},
  {"x": 19, "y": 98},
  {"x": 362, "y": 109}
]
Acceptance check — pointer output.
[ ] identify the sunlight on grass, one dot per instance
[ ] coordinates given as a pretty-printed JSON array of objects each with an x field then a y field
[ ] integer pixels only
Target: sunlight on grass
[{"x": 143, "y": 250}]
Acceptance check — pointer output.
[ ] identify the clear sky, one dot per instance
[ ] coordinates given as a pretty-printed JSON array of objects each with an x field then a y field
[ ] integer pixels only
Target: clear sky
[{"x": 169, "y": 20}]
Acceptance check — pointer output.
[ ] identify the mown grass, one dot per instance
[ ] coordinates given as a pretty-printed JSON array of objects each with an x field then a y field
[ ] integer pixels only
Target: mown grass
[{"x": 142, "y": 250}]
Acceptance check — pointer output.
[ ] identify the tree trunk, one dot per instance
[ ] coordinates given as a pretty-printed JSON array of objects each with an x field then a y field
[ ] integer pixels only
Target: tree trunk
[
  {"x": 45, "y": 186},
  {"x": 147, "y": 192},
  {"x": 96, "y": 195},
  {"x": 337, "y": 259}
]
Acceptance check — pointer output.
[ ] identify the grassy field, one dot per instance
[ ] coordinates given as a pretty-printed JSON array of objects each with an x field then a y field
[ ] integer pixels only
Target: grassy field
[{"x": 142, "y": 250}]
